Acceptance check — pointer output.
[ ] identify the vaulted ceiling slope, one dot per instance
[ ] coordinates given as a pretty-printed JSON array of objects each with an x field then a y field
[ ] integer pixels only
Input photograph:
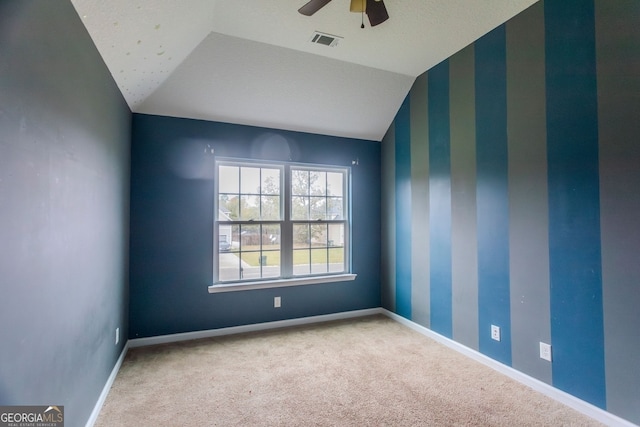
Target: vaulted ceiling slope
[{"x": 251, "y": 62}]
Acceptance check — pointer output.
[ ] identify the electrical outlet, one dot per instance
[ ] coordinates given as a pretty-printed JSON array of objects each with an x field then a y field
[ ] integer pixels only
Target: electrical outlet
[
  {"x": 277, "y": 302},
  {"x": 495, "y": 332},
  {"x": 545, "y": 351},
  {"x": 117, "y": 335}
]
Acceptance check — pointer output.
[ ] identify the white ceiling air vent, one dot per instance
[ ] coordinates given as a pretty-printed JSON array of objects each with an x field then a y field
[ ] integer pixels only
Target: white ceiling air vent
[{"x": 325, "y": 39}]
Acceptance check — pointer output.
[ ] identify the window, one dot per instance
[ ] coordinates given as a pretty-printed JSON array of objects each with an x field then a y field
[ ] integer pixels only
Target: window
[
  {"x": 280, "y": 221},
  {"x": 317, "y": 214}
]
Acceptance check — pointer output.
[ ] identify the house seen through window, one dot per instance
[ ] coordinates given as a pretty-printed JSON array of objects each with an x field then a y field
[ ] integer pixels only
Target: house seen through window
[{"x": 280, "y": 221}]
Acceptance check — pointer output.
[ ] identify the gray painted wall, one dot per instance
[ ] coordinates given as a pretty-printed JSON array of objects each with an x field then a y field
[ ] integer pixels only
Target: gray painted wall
[
  {"x": 618, "y": 66},
  {"x": 528, "y": 198},
  {"x": 419, "y": 132},
  {"x": 64, "y": 203},
  {"x": 464, "y": 233}
]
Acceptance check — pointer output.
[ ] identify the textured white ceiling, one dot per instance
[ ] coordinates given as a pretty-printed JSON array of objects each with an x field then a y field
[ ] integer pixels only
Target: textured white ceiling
[
  {"x": 251, "y": 62},
  {"x": 277, "y": 87}
]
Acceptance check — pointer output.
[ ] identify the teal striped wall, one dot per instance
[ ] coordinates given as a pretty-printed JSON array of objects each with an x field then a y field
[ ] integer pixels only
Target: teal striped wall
[
  {"x": 523, "y": 209},
  {"x": 403, "y": 209},
  {"x": 440, "y": 199},
  {"x": 491, "y": 194},
  {"x": 574, "y": 200}
]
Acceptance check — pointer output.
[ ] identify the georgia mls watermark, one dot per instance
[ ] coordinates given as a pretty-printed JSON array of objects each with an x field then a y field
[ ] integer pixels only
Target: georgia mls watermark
[{"x": 32, "y": 416}]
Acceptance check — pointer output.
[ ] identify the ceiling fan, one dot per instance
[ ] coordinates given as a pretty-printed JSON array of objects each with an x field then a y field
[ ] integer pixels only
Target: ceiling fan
[{"x": 375, "y": 9}]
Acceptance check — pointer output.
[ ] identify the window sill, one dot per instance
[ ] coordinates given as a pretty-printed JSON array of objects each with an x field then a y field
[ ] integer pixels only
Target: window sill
[{"x": 267, "y": 284}]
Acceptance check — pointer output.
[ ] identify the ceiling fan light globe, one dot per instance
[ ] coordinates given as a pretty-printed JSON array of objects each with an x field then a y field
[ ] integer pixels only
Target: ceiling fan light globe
[{"x": 358, "y": 6}]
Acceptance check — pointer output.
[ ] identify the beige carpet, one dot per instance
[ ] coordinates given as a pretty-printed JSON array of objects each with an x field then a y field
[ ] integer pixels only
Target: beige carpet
[{"x": 365, "y": 372}]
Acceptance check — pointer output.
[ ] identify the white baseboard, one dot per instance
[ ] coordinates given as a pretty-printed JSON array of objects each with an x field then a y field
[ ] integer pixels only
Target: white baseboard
[
  {"x": 105, "y": 390},
  {"x": 164, "y": 339},
  {"x": 573, "y": 402}
]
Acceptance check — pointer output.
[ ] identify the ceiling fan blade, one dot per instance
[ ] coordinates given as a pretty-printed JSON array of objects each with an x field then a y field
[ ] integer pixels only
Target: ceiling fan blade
[
  {"x": 377, "y": 12},
  {"x": 358, "y": 6},
  {"x": 312, "y": 7}
]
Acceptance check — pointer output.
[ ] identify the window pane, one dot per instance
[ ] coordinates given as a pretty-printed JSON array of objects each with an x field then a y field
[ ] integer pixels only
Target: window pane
[
  {"x": 335, "y": 235},
  {"x": 228, "y": 260},
  {"x": 270, "y": 207},
  {"x": 229, "y": 266},
  {"x": 334, "y": 184},
  {"x": 249, "y": 208},
  {"x": 271, "y": 237},
  {"x": 299, "y": 208},
  {"x": 227, "y": 207},
  {"x": 250, "y": 265},
  {"x": 270, "y": 263},
  {"x": 250, "y": 180},
  {"x": 228, "y": 179},
  {"x": 301, "y": 259},
  {"x": 270, "y": 181},
  {"x": 335, "y": 208},
  {"x": 318, "y": 207},
  {"x": 301, "y": 236},
  {"x": 299, "y": 182},
  {"x": 336, "y": 260},
  {"x": 318, "y": 261},
  {"x": 319, "y": 235},
  {"x": 318, "y": 183},
  {"x": 235, "y": 238},
  {"x": 224, "y": 237},
  {"x": 249, "y": 237}
]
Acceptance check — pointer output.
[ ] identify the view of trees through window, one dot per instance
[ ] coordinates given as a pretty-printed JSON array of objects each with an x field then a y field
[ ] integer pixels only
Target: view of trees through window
[
  {"x": 317, "y": 198},
  {"x": 253, "y": 216}
]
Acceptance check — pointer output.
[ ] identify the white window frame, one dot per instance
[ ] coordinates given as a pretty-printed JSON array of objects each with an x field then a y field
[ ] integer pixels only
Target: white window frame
[{"x": 287, "y": 278}]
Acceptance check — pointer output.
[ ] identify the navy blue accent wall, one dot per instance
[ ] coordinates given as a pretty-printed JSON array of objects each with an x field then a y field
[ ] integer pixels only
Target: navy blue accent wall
[
  {"x": 574, "y": 202},
  {"x": 403, "y": 210},
  {"x": 440, "y": 199},
  {"x": 64, "y": 211},
  {"x": 492, "y": 194},
  {"x": 172, "y": 187}
]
